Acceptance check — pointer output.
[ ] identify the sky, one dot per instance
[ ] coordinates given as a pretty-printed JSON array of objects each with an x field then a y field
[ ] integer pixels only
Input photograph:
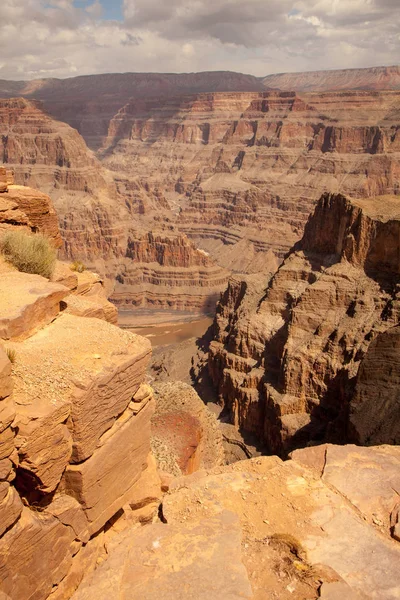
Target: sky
[{"x": 66, "y": 38}]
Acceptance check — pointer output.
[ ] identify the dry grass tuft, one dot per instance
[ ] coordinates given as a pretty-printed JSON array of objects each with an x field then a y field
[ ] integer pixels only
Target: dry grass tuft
[
  {"x": 29, "y": 253},
  {"x": 77, "y": 266},
  {"x": 12, "y": 355}
]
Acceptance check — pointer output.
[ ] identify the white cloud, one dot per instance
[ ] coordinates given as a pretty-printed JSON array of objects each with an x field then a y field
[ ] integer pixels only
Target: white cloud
[{"x": 54, "y": 38}]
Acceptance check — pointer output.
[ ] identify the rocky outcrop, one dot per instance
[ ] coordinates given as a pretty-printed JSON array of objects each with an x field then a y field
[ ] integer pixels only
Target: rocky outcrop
[
  {"x": 287, "y": 351},
  {"x": 311, "y": 527},
  {"x": 26, "y": 208},
  {"x": 165, "y": 271},
  {"x": 74, "y": 429}
]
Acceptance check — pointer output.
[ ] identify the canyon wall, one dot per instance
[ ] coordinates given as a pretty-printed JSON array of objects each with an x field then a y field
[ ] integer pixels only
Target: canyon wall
[
  {"x": 89, "y": 102},
  {"x": 100, "y": 217},
  {"x": 236, "y": 172},
  {"x": 242, "y": 171},
  {"x": 287, "y": 351}
]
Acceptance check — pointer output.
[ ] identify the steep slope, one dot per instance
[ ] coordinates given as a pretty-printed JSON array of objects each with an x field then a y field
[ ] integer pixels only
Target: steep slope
[
  {"x": 287, "y": 352},
  {"x": 89, "y": 102}
]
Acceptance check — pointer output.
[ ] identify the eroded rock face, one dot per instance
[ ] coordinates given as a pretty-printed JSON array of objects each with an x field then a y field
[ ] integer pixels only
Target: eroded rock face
[
  {"x": 165, "y": 271},
  {"x": 375, "y": 406},
  {"x": 74, "y": 432},
  {"x": 286, "y": 354},
  {"x": 246, "y": 169},
  {"x": 238, "y": 172}
]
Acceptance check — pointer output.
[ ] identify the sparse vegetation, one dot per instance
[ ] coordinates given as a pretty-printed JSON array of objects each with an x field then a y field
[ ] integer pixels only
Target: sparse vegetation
[
  {"x": 12, "y": 355},
  {"x": 77, "y": 266},
  {"x": 29, "y": 253}
]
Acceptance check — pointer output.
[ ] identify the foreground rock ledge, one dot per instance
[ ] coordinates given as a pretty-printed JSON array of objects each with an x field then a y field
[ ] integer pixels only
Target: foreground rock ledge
[{"x": 306, "y": 528}]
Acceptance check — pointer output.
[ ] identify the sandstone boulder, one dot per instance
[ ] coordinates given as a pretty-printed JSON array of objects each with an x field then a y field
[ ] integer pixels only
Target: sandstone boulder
[{"x": 103, "y": 483}]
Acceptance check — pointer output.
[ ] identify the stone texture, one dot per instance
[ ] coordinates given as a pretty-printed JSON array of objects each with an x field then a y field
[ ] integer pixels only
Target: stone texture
[
  {"x": 38, "y": 209},
  {"x": 288, "y": 532},
  {"x": 88, "y": 363},
  {"x": 286, "y": 351},
  {"x": 64, "y": 275},
  {"x": 10, "y": 506},
  {"x": 44, "y": 443},
  {"x": 27, "y": 302},
  {"x": 201, "y": 560},
  {"x": 375, "y": 406},
  {"x": 185, "y": 434},
  {"x": 102, "y": 484},
  {"x": 368, "y": 477},
  {"x": 35, "y": 554}
]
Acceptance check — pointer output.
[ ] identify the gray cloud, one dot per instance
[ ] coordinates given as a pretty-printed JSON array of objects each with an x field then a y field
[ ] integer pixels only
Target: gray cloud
[{"x": 54, "y": 38}]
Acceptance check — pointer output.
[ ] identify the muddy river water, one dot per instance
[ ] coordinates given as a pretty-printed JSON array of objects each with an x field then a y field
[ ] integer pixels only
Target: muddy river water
[{"x": 171, "y": 332}]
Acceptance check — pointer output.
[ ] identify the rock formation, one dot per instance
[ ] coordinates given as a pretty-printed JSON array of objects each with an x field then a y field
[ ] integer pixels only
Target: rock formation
[
  {"x": 287, "y": 351},
  {"x": 168, "y": 271},
  {"x": 305, "y": 528},
  {"x": 74, "y": 419},
  {"x": 99, "y": 216},
  {"x": 237, "y": 172},
  {"x": 89, "y": 102},
  {"x": 242, "y": 171}
]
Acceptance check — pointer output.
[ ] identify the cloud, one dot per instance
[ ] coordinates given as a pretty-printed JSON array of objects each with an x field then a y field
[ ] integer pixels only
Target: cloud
[{"x": 61, "y": 38}]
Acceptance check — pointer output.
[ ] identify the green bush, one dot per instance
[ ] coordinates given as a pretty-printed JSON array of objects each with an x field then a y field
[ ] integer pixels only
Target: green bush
[{"x": 29, "y": 253}]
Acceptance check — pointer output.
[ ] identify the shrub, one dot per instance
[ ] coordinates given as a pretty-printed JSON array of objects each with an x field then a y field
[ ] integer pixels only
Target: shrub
[
  {"x": 12, "y": 355},
  {"x": 29, "y": 253},
  {"x": 77, "y": 266}
]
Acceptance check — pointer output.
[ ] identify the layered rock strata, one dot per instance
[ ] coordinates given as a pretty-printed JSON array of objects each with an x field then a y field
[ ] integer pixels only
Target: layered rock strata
[
  {"x": 242, "y": 171},
  {"x": 74, "y": 429},
  {"x": 99, "y": 216},
  {"x": 89, "y": 102},
  {"x": 316, "y": 526},
  {"x": 287, "y": 351},
  {"x": 165, "y": 271}
]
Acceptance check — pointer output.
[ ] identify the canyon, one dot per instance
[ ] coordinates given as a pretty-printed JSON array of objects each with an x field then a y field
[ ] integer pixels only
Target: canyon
[
  {"x": 236, "y": 172},
  {"x": 110, "y": 486}
]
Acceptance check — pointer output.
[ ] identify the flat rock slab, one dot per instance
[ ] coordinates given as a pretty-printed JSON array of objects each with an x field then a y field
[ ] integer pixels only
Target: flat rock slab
[
  {"x": 369, "y": 477},
  {"x": 26, "y": 303},
  {"x": 197, "y": 561},
  {"x": 281, "y": 504}
]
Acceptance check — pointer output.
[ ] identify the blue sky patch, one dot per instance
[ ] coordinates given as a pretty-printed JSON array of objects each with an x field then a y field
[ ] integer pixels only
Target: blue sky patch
[{"x": 112, "y": 9}]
